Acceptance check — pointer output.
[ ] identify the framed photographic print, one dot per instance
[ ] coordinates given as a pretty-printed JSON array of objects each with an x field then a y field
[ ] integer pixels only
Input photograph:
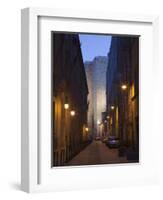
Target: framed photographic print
[{"x": 87, "y": 110}]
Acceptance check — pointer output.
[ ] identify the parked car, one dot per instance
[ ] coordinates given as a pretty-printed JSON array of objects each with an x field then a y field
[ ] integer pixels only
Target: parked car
[
  {"x": 113, "y": 142},
  {"x": 97, "y": 138},
  {"x": 105, "y": 140}
]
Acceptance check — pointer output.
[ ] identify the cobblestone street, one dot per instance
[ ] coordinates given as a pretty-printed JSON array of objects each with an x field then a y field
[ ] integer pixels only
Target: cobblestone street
[{"x": 97, "y": 153}]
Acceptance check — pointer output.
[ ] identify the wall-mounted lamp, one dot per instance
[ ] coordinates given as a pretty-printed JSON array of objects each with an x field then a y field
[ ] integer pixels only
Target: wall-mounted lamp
[
  {"x": 123, "y": 86},
  {"x": 86, "y": 129},
  {"x": 66, "y": 104},
  {"x": 72, "y": 113}
]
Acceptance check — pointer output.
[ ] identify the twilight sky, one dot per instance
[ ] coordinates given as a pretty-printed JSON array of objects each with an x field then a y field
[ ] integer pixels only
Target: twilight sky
[{"x": 94, "y": 45}]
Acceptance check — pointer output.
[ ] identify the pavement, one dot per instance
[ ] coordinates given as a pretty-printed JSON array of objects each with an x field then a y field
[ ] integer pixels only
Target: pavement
[{"x": 97, "y": 153}]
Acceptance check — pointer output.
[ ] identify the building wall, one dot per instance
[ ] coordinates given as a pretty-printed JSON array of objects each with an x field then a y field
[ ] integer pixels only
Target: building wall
[
  {"x": 96, "y": 76},
  {"x": 89, "y": 75},
  {"x": 69, "y": 86},
  {"x": 123, "y": 68}
]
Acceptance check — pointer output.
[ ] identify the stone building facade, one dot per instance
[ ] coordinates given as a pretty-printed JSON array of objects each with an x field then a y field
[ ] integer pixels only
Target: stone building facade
[
  {"x": 96, "y": 78},
  {"x": 89, "y": 74},
  {"x": 122, "y": 92},
  {"x": 70, "y": 92}
]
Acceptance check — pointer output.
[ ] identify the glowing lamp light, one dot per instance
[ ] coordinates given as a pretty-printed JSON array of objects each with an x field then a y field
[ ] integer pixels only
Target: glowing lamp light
[
  {"x": 72, "y": 113},
  {"x": 98, "y": 122},
  {"x": 66, "y": 106},
  {"x": 112, "y": 107},
  {"x": 108, "y": 117},
  {"x": 86, "y": 129},
  {"x": 123, "y": 87}
]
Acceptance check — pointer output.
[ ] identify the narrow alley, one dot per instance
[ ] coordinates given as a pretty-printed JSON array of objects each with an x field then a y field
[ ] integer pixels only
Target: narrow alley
[{"x": 95, "y": 99}]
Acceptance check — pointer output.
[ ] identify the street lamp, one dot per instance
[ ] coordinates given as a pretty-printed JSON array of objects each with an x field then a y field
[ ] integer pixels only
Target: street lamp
[
  {"x": 123, "y": 86},
  {"x": 66, "y": 105},
  {"x": 72, "y": 113},
  {"x": 86, "y": 129}
]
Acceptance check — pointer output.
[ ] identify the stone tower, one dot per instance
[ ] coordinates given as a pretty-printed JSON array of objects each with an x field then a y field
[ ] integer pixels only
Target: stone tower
[{"x": 96, "y": 80}]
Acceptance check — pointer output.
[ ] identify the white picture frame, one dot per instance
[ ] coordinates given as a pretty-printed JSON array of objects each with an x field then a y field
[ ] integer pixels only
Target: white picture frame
[{"x": 36, "y": 174}]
